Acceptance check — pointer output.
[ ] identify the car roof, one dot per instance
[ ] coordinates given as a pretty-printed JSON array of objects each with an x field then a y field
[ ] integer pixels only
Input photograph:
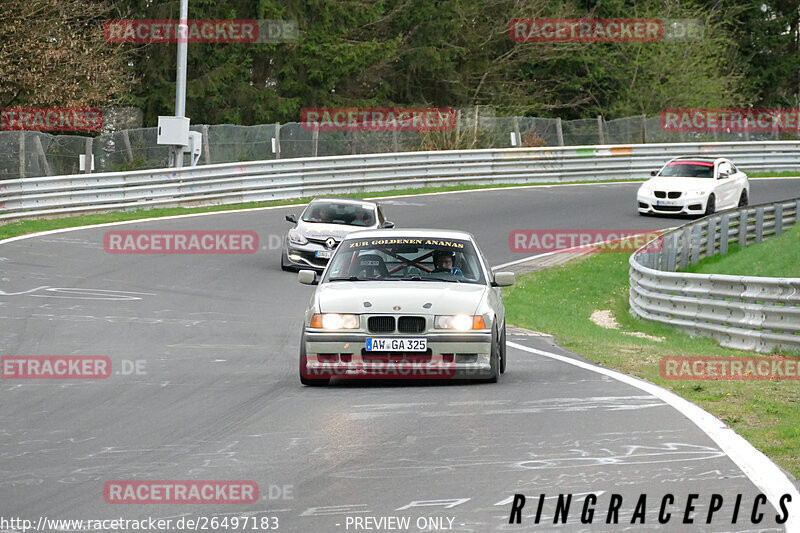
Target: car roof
[
  {"x": 702, "y": 159},
  {"x": 413, "y": 232},
  {"x": 333, "y": 199}
]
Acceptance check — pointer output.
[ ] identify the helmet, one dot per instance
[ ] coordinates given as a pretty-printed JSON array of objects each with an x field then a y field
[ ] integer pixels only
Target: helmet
[{"x": 441, "y": 254}]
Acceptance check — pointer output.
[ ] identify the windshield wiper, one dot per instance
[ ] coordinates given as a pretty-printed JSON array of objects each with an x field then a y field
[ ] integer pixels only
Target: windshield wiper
[
  {"x": 351, "y": 278},
  {"x": 417, "y": 278}
]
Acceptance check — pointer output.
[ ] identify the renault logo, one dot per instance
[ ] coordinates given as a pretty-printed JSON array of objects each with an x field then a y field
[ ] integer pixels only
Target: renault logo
[{"x": 330, "y": 242}]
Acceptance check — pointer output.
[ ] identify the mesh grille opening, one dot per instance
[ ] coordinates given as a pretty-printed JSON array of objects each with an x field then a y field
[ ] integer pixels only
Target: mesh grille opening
[
  {"x": 411, "y": 324},
  {"x": 381, "y": 324}
]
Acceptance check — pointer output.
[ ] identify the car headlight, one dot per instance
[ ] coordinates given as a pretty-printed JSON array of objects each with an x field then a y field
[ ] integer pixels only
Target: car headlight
[
  {"x": 645, "y": 190},
  {"x": 334, "y": 321},
  {"x": 696, "y": 193},
  {"x": 296, "y": 238},
  {"x": 459, "y": 322}
]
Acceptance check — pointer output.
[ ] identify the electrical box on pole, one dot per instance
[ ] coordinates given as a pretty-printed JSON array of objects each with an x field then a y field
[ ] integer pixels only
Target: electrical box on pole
[{"x": 173, "y": 131}]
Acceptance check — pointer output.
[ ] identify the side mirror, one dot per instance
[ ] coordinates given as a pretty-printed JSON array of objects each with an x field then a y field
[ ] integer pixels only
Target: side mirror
[
  {"x": 504, "y": 279},
  {"x": 388, "y": 224},
  {"x": 291, "y": 218},
  {"x": 653, "y": 172},
  {"x": 723, "y": 175},
  {"x": 307, "y": 277}
]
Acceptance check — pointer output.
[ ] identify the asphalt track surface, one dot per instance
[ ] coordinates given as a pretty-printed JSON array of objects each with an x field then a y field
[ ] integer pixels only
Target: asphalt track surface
[{"x": 218, "y": 397}]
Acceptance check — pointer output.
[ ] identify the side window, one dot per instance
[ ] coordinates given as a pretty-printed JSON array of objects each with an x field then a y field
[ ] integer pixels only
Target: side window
[
  {"x": 724, "y": 168},
  {"x": 485, "y": 262}
]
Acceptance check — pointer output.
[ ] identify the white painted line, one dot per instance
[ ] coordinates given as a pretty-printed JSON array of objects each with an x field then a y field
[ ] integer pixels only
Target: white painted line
[{"x": 764, "y": 474}]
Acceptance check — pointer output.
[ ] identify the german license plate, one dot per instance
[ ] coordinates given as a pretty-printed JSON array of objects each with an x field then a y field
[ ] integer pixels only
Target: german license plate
[
  {"x": 396, "y": 345},
  {"x": 666, "y": 202},
  {"x": 323, "y": 254}
]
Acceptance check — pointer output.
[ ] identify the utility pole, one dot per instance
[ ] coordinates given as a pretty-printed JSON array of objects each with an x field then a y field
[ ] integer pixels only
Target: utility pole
[
  {"x": 174, "y": 131},
  {"x": 176, "y": 157}
]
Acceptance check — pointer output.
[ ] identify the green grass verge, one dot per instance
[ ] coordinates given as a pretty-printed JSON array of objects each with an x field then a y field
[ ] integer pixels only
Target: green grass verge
[
  {"x": 560, "y": 301},
  {"x": 777, "y": 257},
  {"x": 13, "y": 229}
]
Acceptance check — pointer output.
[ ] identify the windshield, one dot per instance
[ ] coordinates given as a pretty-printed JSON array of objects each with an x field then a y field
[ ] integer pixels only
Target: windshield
[
  {"x": 688, "y": 169},
  {"x": 406, "y": 259},
  {"x": 336, "y": 213}
]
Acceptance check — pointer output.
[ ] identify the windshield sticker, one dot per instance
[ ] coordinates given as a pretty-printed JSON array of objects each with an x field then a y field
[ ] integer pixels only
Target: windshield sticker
[{"x": 421, "y": 242}]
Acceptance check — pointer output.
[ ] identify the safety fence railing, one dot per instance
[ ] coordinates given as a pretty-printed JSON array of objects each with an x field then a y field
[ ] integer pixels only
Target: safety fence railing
[
  {"x": 27, "y": 154},
  {"x": 302, "y": 177},
  {"x": 744, "y": 312}
]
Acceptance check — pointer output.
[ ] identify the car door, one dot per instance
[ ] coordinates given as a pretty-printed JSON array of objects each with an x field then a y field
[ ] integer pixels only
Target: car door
[
  {"x": 725, "y": 185},
  {"x": 740, "y": 178},
  {"x": 495, "y": 295}
]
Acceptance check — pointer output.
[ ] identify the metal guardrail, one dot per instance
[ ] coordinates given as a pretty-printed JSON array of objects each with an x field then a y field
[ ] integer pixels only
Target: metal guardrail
[
  {"x": 744, "y": 312},
  {"x": 292, "y": 178},
  {"x": 30, "y": 154}
]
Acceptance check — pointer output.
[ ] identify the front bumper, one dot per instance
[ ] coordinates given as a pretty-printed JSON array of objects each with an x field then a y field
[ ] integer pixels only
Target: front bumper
[
  {"x": 685, "y": 205},
  {"x": 304, "y": 255},
  {"x": 451, "y": 355}
]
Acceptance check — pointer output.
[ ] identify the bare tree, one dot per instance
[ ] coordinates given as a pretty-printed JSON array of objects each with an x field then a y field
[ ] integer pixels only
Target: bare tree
[{"x": 53, "y": 53}]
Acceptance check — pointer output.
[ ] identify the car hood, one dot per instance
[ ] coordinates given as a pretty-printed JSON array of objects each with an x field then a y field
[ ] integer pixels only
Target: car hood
[
  {"x": 317, "y": 230},
  {"x": 410, "y": 296},
  {"x": 667, "y": 183}
]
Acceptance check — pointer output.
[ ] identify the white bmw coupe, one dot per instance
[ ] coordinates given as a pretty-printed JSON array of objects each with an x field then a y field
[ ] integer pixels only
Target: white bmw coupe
[{"x": 694, "y": 186}]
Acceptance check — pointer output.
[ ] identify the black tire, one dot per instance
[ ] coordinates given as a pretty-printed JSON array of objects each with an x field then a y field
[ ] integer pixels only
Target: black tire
[
  {"x": 494, "y": 358},
  {"x": 711, "y": 206},
  {"x": 743, "y": 199},
  {"x": 503, "y": 350},
  {"x": 304, "y": 380}
]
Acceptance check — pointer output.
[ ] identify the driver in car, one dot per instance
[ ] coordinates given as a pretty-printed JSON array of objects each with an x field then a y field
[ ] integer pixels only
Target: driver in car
[
  {"x": 326, "y": 214},
  {"x": 363, "y": 218},
  {"x": 443, "y": 262}
]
